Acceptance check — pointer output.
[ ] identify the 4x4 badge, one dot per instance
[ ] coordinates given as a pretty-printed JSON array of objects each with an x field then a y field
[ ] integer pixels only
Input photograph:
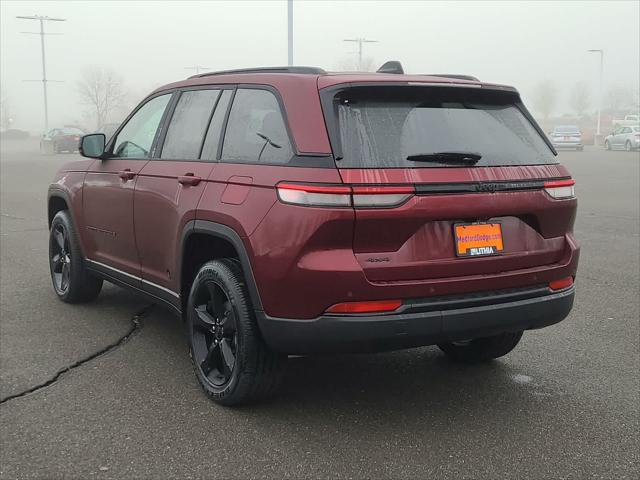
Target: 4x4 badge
[{"x": 486, "y": 187}]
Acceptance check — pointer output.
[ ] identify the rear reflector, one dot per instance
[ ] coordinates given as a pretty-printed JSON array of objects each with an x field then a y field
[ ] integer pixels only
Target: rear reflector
[
  {"x": 560, "y": 189},
  {"x": 344, "y": 195},
  {"x": 377, "y": 306},
  {"x": 561, "y": 284}
]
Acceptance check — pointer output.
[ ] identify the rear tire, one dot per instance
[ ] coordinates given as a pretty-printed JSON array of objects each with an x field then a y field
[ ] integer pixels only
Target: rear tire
[
  {"x": 481, "y": 349},
  {"x": 72, "y": 282},
  {"x": 627, "y": 146},
  {"x": 231, "y": 360}
]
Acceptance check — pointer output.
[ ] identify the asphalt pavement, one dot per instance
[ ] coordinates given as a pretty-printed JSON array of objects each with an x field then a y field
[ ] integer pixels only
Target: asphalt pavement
[{"x": 112, "y": 394}]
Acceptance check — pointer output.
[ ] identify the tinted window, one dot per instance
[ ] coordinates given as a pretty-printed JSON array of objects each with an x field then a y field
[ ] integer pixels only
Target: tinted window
[
  {"x": 188, "y": 124},
  {"x": 256, "y": 132},
  {"x": 136, "y": 138},
  {"x": 380, "y": 127},
  {"x": 210, "y": 148}
]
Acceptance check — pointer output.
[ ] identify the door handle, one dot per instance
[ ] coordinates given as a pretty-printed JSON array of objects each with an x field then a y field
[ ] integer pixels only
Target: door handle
[
  {"x": 126, "y": 174},
  {"x": 189, "y": 179}
]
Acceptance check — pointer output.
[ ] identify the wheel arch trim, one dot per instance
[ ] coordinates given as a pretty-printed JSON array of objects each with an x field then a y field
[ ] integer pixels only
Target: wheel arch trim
[{"x": 228, "y": 234}]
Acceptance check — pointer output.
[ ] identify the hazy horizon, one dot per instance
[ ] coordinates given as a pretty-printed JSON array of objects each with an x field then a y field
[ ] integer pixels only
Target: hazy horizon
[{"x": 150, "y": 43}]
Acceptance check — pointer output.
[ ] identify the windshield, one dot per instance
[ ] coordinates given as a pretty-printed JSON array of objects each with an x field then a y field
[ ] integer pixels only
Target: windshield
[{"x": 401, "y": 127}]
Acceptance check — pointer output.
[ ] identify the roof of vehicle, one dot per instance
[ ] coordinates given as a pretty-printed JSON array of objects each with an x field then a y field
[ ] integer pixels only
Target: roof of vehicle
[{"x": 298, "y": 87}]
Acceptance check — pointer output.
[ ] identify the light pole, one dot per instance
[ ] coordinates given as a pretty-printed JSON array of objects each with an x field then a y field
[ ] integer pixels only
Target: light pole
[
  {"x": 359, "y": 41},
  {"x": 601, "y": 52},
  {"x": 290, "y": 32},
  {"x": 43, "y": 19}
]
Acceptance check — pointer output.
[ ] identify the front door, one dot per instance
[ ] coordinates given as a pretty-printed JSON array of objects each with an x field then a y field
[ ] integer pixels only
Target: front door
[
  {"x": 170, "y": 185},
  {"x": 107, "y": 195}
]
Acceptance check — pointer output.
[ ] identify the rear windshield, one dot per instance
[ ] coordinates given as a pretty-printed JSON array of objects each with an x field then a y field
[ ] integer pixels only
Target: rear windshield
[
  {"x": 567, "y": 129},
  {"x": 380, "y": 127}
]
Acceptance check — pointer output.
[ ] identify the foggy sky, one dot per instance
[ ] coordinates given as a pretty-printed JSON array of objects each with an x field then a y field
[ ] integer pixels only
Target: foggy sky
[{"x": 149, "y": 43}]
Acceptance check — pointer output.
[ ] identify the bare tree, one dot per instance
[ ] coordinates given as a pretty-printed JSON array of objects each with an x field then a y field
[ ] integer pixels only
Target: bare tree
[
  {"x": 544, "y": 98},
  {"x": 102, "y": 89},
  {"x": 579, "y": 99}
]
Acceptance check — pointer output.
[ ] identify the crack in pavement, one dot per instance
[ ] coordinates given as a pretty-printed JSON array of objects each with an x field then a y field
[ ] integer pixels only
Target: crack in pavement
[{"x": 135, "y": 328}]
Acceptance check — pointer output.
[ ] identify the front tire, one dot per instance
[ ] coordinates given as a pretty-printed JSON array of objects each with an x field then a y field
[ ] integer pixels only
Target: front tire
[
  {"x": 71, "y": 280},
  {"x": 481, "y": 350},
  {"x": 231, "y": 361},
  {"x": 607, "y": 145}
]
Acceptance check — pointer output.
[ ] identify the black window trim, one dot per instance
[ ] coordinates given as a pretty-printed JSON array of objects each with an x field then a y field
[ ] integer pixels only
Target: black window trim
[
  {"x": 179, "y": 91},
  {"x": 302, "y": 160}
]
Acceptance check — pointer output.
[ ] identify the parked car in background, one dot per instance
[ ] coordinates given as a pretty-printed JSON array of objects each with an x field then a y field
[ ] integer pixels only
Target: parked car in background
[
  {"x": 61, "y": 139},
  {"x": 627, "y": 138},
  {"x": 627, "y": 121},
  {"x": 567, "y": 136}
]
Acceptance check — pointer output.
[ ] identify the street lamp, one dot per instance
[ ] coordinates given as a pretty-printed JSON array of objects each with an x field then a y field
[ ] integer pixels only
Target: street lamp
[{"x": 601, "y": 52}]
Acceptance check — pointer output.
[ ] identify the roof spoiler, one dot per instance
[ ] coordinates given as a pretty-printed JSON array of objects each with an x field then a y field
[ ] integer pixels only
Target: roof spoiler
[
  {"x": 456, "y": 76},
  {"x": 392, "y": 66}
]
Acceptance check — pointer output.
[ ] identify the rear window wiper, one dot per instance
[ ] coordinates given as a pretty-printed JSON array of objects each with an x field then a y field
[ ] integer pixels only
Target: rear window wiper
[{"x": 466, "y": 158}]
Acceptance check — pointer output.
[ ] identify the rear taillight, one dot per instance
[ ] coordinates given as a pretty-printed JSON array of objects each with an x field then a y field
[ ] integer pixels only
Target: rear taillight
[
  {"x": 376, "y": 306},
  {"x": 315, "y": 195},
  {"x": 344, "y": 195},
  {"x": 381, "y": 196},
  {"x": 560, "y": 189}
]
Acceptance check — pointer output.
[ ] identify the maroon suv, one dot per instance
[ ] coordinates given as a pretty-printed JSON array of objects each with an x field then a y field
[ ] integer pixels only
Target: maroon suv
[{"x": 294, "y": 211}]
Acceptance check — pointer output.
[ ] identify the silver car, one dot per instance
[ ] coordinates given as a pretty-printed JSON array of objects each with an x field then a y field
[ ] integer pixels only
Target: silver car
[
  {"x": 627, "y": 137},
  {"x": 566, "y": 136}
]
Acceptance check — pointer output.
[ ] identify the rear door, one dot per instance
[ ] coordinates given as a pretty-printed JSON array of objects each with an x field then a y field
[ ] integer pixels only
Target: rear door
[
  {"x": 429, "y": 165},
  {"x": 108, "y": 191},
  {"x": 169, "y": 186}
]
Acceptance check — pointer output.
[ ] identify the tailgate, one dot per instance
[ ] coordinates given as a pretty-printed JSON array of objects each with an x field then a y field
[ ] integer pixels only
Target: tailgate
[{"x": 416, "y": 240}]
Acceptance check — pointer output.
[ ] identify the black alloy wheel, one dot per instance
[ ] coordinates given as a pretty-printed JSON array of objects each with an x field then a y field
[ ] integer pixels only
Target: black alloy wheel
[
  {"x": 60, "y": 257},
  {"x": 71, "y": 280},
  {"x": 232, "y": 362},
  {"x": 214, "y": 334}
]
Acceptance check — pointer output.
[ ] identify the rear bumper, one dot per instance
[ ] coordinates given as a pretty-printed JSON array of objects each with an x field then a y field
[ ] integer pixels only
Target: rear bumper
[
  {"x": 568, "y": 145},
  {"x": 420, "y": 322}
]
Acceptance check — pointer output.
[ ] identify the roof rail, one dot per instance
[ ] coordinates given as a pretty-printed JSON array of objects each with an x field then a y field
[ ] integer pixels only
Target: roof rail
[
  {"x": 300, "y": 70},
  {"x": 456, "y": 76},
  {"x": 392, "y": 66}
]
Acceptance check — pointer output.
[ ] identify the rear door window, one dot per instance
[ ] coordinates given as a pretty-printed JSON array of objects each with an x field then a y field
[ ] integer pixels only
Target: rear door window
[
  {"x": 384, "y": 127},
  {"x": 188, "y": 125},
  {"x": 256, "y": 132}
]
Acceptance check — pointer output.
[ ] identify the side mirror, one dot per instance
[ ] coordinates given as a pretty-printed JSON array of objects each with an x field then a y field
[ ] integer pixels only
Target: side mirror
[{"x": 92, "y": 145}]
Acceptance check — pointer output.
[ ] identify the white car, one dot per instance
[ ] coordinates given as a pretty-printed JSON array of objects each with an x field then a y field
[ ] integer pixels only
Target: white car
[{"x": 627, "y": 137}]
